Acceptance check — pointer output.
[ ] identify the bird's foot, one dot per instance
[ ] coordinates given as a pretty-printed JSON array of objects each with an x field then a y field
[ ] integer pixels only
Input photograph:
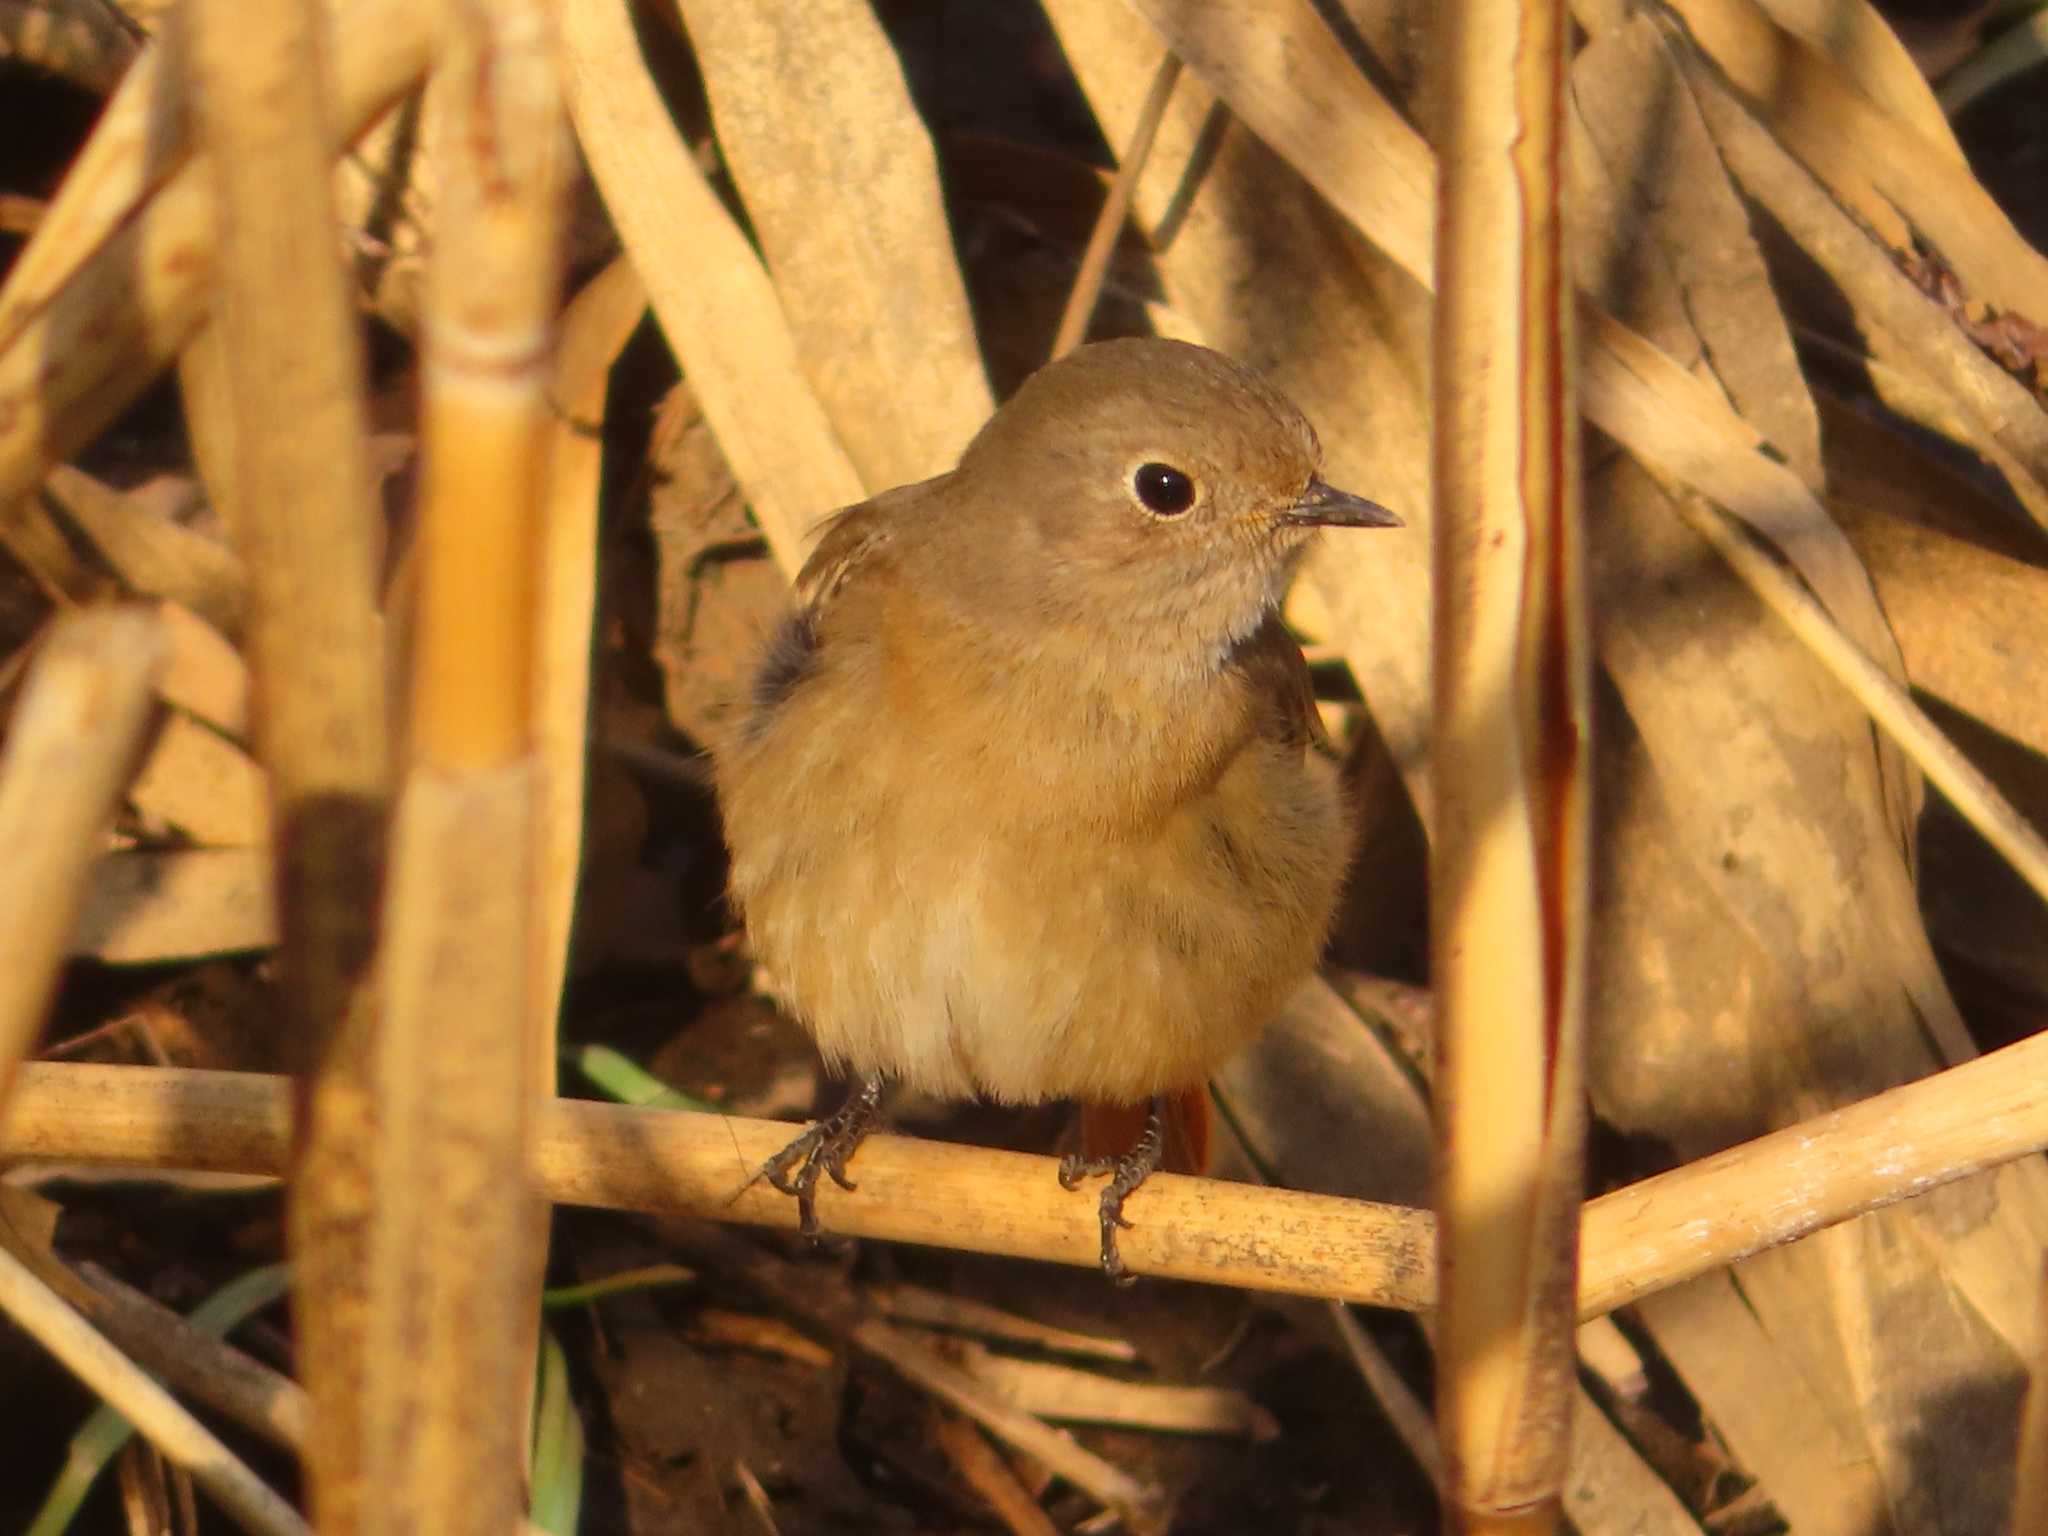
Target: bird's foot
[
  {"x": 824, "y": 1148},
  {"x": 1126, "y": 1174}
]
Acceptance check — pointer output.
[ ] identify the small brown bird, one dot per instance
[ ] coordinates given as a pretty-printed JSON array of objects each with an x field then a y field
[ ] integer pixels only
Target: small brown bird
[{"x": 1027, "y": 800}]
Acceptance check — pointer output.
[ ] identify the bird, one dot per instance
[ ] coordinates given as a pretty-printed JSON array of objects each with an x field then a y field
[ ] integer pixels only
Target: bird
[{"x": 1028, "y": 798}]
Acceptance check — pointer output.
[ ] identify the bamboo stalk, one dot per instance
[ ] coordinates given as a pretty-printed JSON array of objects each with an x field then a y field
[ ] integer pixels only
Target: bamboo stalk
[
  {"x": 1651, "y": 1235},
  {"x": 303, "y": 507},
  {"x": 1509, "y": 872},
  {"x": 69, "y": 750},
  {"x": 456, "y": 1252}
]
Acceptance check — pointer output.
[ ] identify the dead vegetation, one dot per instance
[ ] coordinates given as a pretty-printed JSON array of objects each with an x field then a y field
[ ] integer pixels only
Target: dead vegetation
[{"x": 352, "y": 679}]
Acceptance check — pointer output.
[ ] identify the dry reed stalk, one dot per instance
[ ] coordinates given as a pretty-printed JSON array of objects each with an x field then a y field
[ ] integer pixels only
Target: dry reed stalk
[
  {"x": 1899, "y": 182},
  {"x": 1646, "y": 1237},
  {"x": 305, "y": 511},
  {"x": 182, "y": 1439},
  {"x": 985, "y": 1471},
  {"x": 456, "y": 1251},
  {"x": 69, "y": 750},
  {"x": 1109, "y": 223},
  {"x": 1899, "y": 323},
  {"x": 1510, "y": 868},
  {"x": 712, "y": 297},
  {"x": 836, "y": 168},
  {"x": 154, "y": 556},
  {"x": 1889, "y": 705},
  {"x": 595, "y": 329},
  {"x": 120, "y": 274},
  {"x": 76, "y": 40}
]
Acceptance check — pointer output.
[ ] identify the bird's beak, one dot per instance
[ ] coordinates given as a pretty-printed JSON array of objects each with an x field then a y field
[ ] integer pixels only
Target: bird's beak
[{"x": 1324, "y": 506}]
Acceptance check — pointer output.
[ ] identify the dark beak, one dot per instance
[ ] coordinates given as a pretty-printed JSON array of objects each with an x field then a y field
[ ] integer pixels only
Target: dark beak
[{"x": 1324, "y": 506}]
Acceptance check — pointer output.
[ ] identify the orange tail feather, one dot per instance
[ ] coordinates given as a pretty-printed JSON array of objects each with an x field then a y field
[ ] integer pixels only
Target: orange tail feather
[{"x": 1110, "y": 1130}]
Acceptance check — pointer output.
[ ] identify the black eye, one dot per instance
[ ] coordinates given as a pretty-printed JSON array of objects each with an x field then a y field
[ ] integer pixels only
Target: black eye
[{"x": 1163, "y": 489}]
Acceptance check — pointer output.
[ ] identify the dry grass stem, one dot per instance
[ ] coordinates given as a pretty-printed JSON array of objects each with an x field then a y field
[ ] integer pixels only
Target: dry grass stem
[
  {"x": 121, "y": 273},
  {"x": 989, "y": 1475},
  {"x": 76, "y": 40},
  {"x": 842, "y": 1316},
  {"x": 1070, "y": 1395},
  {"x": 1510, "y": 861},
  {"x": 184, "y": 1441},
  {"x": 306, "y": 514},
  {"x": 195, "y": 1362},
  {"x": 1889, "y": 705},
  {"x": 456, "y": 1252},
  {"x": 145, "y": 906},
  {"x": 1897, "y": 181},
  {"x": 595, "y": 330},
  {"x": 1109, "y": 223},
  {"x": 709, "y": 292},
  {"x": 853, "y": 226},
  {"x": 153, "y": 555},
  {"x": 1902, "y": 324},
  {"x": 70, "y": 748},
  {"x": 958, "y": 1314}
]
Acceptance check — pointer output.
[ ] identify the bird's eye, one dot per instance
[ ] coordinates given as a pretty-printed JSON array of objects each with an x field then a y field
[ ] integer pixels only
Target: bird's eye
[{"x": 1163, "y": 489}]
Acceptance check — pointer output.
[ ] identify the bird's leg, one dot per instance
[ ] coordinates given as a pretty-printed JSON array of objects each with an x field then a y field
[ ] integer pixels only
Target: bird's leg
[
  {"x": 1126, "y": 1174},
  {"x": 825, "y": 1147}
]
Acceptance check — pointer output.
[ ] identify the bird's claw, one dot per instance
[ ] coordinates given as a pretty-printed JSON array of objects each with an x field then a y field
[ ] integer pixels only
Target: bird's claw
[
  {"x": 1126, "y": 1174},
  {"x": 824, "y": 1148}
]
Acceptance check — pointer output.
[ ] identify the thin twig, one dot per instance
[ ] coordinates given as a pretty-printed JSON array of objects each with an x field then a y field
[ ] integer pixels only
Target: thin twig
[{"x": 1110, "y": 222}]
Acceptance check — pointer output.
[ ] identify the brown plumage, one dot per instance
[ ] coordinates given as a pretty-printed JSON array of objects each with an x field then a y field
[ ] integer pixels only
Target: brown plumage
[{"x": 1027, "y": 800}]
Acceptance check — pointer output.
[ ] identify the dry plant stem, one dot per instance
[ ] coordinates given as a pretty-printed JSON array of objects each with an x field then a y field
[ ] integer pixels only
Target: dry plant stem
[
  {"x": 456, "y": 1251},
  {"x": 304, "y": 509},
  {"x": 1406, "y": 1412},
  {"x": 1509, "y": 863},
  {"x": 154, "y": 556},
  {"x": 120, "y": 273},
  {"x": 69, "y": 749},
  {"x": 595, "y": 330},
  {"x": 79, "y": 41},
  {"x": 1109, "y": 223},
  {"x": 989, "y": 1475},
  {"x": 836, "y": 167},
  {"x": 1889, "y": 705},
  {"x": 708, "y": 289},
  {"x": 184, "y": 1441},
  {"x": 1654, "y": 1234},
  {"x": 2030, "y": 1490},
  {"x": 1903, "y": 325},
  {"x": 839, "y": 1314},
  {"x": 208, "y": 1369},
  {"x": 1897, "y": 181}
]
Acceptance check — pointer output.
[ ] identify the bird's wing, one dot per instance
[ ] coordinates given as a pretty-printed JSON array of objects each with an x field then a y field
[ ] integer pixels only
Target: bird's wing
[
  {"x": 850, "y": 539},
  {"x": 1273, "y": 669}
]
